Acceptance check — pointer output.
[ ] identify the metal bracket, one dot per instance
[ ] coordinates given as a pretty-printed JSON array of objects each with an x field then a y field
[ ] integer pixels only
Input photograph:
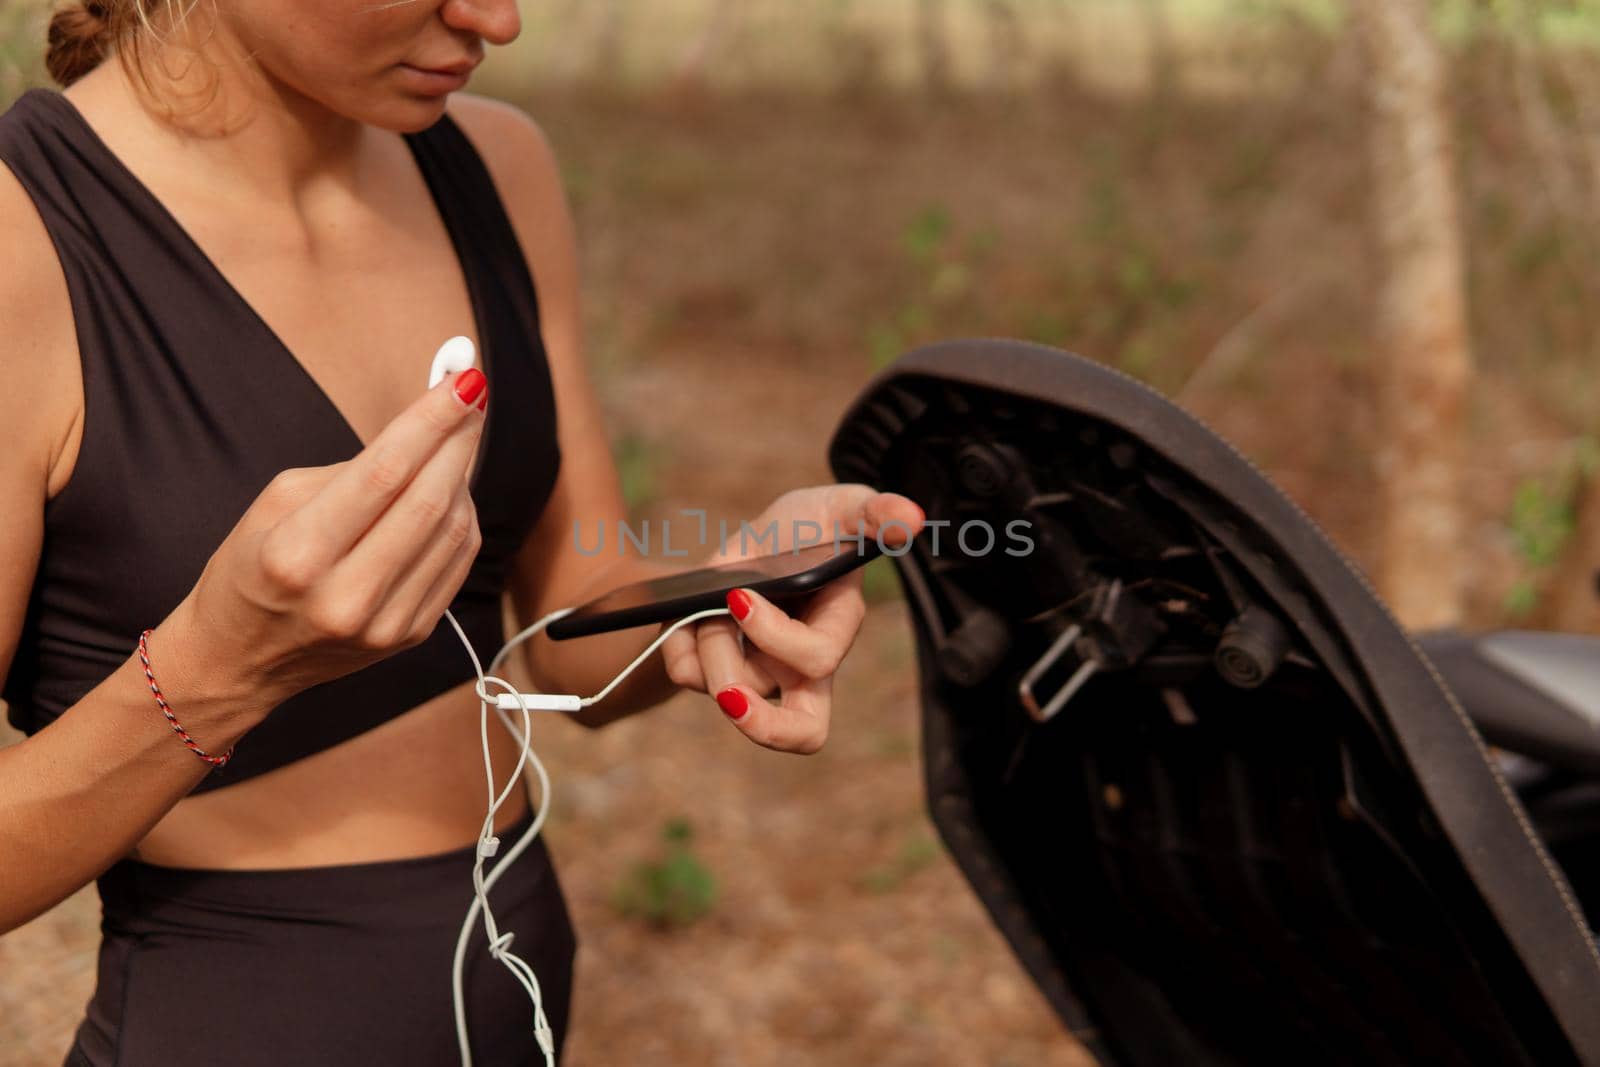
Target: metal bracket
[{"x": 1045, "y": 662}]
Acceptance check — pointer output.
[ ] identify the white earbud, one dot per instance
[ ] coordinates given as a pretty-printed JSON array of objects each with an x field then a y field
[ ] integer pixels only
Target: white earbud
[{"x": 456, "y": 354}]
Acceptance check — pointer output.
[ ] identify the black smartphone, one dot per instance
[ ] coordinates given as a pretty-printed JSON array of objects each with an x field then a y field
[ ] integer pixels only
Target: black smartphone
[{"x": 783, "y": 576}]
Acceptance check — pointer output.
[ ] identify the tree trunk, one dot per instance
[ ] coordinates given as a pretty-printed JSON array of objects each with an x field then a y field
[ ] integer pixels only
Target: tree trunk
[
  {"x": 1008, "y": 45},
  {"x": 1548, "y": 137},
  {"x": 1165, "y": 74},
  {"x": 933, "y": 42},
  {"x": 606, "y": 65},
  {"x": 690, "y": 76},
  {"x": 1421, "y": 324}
]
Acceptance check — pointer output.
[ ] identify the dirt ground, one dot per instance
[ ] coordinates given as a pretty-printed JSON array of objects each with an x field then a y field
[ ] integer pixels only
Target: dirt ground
[{"x": 748, "y": 261}]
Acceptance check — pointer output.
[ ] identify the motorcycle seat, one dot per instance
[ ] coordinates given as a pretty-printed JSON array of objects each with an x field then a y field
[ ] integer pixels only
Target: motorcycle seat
[
  {"x": 1534, "y": 693},
  {"x": 1215, "y": 797}
]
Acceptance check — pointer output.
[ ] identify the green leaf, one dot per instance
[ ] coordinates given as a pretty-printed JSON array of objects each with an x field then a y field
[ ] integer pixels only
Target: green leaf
[
  {"x": 926, "y": 233},
  {"x": 673, "y": 891}
]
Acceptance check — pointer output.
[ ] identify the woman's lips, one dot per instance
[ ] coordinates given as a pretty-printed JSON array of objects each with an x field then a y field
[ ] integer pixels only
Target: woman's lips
[{"x": 437, "y": 81}]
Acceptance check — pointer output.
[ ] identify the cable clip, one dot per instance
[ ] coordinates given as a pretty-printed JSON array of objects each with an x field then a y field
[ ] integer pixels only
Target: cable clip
[
  {"x": 501, "y": 945},
  {"x": 488, "y": 846}
]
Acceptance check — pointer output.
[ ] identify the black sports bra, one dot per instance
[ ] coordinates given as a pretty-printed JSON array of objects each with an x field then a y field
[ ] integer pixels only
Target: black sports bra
[{"x": 192, "y": 405}]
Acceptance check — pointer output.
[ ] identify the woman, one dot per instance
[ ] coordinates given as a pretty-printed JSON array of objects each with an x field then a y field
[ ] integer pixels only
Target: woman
[{"x": 226, "y": 518}]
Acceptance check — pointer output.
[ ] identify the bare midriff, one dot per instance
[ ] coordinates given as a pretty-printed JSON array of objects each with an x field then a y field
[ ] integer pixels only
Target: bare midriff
[{"x": 412, "y": 787}]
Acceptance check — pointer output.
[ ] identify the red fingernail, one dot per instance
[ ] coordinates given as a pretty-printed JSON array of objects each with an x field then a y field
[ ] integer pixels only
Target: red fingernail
[
  {"x": 470, "y": 384},
  {"x": 732, "y": 702},
  {"x": 739, "y": 603},
  {"x": 483, "y": 401}
]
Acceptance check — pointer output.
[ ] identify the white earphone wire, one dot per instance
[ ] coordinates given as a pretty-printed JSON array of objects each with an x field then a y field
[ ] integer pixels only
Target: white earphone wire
[
  {"x": 458, "y": 354},
  {"x": 488, "y": 844}
]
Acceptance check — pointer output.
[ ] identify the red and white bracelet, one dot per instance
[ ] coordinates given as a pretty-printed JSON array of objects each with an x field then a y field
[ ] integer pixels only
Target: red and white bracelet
[{"x": 177, "y": 728}]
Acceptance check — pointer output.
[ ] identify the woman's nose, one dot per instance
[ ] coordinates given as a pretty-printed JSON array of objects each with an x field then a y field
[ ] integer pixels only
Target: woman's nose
[{"x": 496, "y": 21}]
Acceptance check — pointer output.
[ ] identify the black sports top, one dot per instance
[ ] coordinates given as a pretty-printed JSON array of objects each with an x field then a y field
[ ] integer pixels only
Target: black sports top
[{"x": 193, "y": 404}]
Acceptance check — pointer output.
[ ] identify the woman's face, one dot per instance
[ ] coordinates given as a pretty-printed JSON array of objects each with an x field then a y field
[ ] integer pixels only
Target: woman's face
[{"x": 388, "y": 63}]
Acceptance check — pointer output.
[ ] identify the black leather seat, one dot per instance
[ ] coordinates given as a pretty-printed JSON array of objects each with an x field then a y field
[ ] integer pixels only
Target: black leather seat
[
  {"x": 1534, "y": 693},
  {"x": 1537, "y": 697},
  {"x": 1221, "y": 806}
]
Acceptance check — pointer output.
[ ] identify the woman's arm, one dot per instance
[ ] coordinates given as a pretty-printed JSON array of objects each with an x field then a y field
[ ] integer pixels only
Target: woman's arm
[
  {"x": 548, "y": 572},
  {"x": 80, "y": 793},
  {"x": 795, "y": 656}
]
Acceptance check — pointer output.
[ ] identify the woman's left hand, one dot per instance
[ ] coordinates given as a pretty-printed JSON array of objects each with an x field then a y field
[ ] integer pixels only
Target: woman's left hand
[{"x": 792, "y": 656}]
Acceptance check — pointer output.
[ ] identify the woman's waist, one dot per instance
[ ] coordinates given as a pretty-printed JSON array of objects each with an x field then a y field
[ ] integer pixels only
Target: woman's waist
[
  {"x": 422, "y": 892},
  {"x": 411, "y": 788}
]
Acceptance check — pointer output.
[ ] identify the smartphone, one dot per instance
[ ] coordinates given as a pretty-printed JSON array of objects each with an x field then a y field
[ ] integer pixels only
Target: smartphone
[{"x": 784, "y": 576}]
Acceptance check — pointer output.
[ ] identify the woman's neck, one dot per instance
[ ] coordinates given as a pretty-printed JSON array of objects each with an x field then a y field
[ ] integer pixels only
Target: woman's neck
[{"x": 232, "y": 126}]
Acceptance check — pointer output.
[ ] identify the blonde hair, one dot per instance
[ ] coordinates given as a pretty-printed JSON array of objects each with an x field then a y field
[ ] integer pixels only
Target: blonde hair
[{"x": 84, "y": 32}]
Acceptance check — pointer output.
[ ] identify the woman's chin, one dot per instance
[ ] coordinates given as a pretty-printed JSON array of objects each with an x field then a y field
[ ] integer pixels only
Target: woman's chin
[{"x": 408, "y": 114}]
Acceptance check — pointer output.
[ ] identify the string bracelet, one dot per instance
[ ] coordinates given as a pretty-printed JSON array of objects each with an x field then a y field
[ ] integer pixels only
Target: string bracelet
[{"x": 177, "y": 728}]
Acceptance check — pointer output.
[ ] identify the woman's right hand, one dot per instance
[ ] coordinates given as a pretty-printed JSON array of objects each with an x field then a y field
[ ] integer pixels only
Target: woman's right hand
[{"x": 334, "y": 568}]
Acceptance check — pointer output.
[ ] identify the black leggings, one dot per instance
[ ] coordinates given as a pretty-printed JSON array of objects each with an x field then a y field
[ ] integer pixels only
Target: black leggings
[{"x": 346, "y": 965}]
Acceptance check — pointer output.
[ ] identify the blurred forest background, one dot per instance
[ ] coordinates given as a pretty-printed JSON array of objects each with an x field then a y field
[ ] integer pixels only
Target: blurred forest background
[{"x": 1361, "y": 238}]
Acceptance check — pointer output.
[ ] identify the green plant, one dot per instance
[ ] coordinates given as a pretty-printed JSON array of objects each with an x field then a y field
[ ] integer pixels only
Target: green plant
[
  {"x": 673, "y": 891},
  {"x": 925, "y": 234},
  {"x": 893, "y": 744},
  {"x": 916, "y": 852},
  {"x": 942, "y": 265},
  {"x": 1544, "y": 514},
  {"x": 638, "y": 463},
  {"x": 21, "y": 48},
  {"x": 1247, "y": 169},
  {"x": 879, "y": 582},
  {"x": 1121, "y": 292}
]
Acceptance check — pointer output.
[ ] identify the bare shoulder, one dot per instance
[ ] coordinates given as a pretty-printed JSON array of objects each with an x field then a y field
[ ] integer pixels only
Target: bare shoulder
[
  {"x": 39, "y": 355},
  {"x": 506, "y": 136},
  {"x": 525, "y": 172},
  {"x": 514, "y": 148}
]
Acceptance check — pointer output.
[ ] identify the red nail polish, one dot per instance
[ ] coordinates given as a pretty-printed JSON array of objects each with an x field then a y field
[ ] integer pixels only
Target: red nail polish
[
  {"x": 470, "y": 383},
  {"x": 732, "y": 702},
  {"x": 483, "y": 401},
  {"x": 739, "y": 603}
]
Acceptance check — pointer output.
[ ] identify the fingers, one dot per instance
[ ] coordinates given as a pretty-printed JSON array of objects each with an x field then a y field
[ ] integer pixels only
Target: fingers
[
  {"x": 721, "y": 657},
  {"x": 764, "y": 672},
  {"x": 815, "y": 647},
  {"x": 322, "y": 531},
  {"x": 898, "y": 518},
  {"x": 801, "y": 656},
  {"x": 796, "y": 655},
  {"x": 441, "y": 593},
  {"x": 799, "y": 724},
  {"x": 681, "y": 655},
  {"x": 434, "y": 508},
  {"x": 890, "y": 517},
  {"x": 420, "y": 598}
]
